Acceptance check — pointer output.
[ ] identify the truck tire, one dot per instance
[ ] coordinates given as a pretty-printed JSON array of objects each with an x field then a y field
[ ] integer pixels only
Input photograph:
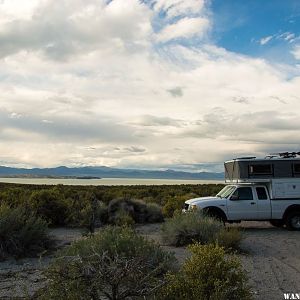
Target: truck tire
[
  {"x": 293, "y": 221},
  {"x": 215, "y": 215},
  {"x": 277, "y": 223}
]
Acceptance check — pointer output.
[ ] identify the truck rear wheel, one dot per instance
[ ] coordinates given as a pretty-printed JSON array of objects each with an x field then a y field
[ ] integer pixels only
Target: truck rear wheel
[
  {"x": 293, "y": 221},
  {"x": 277, "y": 223}
]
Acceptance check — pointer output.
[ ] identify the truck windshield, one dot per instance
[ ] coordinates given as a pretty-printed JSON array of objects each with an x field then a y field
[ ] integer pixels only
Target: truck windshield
[{"x": 226, "y": 191}]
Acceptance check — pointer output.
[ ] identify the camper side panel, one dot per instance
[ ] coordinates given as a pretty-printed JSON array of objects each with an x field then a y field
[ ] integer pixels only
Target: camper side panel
[{"x": 286, "y": 188}]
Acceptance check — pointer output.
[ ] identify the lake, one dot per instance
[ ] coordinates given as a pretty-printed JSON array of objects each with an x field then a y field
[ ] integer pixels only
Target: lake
[{"x": 107, "y": 181}]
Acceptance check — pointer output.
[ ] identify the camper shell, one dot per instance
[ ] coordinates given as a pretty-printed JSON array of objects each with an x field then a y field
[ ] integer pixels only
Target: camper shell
[{"x": 281, "y": 175}]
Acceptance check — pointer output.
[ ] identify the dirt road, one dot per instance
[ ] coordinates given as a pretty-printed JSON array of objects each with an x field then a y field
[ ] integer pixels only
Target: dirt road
[{"x": 273, "y": 259}]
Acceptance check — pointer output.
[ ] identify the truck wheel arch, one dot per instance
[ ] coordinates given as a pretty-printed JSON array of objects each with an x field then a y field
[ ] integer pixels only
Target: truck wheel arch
[
  {"x": 216, "y": 212},
  {"x": 291, "y": 217},
  {"x": 291, "y": 208}
]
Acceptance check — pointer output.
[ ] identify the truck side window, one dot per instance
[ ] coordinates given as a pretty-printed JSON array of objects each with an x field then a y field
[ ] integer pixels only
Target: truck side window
[
  {"x": 261, "y": 193},
  {"x": 244, "y": 193}
]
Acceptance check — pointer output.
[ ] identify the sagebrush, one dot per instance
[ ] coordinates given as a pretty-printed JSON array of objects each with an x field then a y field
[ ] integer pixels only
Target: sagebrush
[
  {"x": 115, "y": 263},
  {"x": 22, "y": 233},
  {"x": 138, "y": 211},
  {"x": 187, "y": 228},
  {"x": 209, "y": 274},
  {"x": 71, "y": 205}
]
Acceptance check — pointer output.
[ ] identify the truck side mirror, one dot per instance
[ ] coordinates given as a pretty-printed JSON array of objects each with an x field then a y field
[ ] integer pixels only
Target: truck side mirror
[{"x": 234, "y": 197}]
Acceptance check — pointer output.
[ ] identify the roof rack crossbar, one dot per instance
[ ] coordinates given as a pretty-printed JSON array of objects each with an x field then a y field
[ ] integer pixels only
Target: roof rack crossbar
[{"x": 285, "y": 154}]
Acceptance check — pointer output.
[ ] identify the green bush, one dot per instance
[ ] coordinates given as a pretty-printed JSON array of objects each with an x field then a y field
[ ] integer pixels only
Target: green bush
[
  {"x": 172, "y": 205},
  {"x": 50, "y": 205},
  {"x": 139, "y": 211},
  {"x": 115, "y": 263},
  {"x": 123, "y": 218},
  {"x": 154, "y": 213},
  {"x": 86, "y": 213},
  {"x": 14, "y": 196},
  {"x": 70, "y": 205},
  {"x": 21, "y": 233},
  {"x": 207, "y": 275},
  {"x": 229, "y": 238},
  {"x": 187, "y": 228}
]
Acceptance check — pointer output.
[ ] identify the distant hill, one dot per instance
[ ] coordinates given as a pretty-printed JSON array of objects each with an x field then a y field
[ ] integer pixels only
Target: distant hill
[{"x": 105, "y": 172}]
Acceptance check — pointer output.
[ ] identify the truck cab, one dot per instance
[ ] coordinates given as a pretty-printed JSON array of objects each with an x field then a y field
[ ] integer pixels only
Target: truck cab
[
  {"x": 247, "y": 202},
  {"x": 237, "y": 202}
]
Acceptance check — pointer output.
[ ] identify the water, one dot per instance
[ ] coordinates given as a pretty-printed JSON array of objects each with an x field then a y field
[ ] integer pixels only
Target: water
[{"x": 107, "y": 181}]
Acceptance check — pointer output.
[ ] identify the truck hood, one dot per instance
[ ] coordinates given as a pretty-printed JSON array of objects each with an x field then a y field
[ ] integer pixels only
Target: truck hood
[{"x": 204, "y": 200}]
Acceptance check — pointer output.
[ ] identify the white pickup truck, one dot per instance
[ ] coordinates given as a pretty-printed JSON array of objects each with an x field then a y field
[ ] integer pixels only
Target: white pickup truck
[{"x": 237, "y": 202}]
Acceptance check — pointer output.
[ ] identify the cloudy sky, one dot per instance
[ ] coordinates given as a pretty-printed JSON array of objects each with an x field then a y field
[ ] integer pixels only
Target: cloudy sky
[{"x": 181, "y": 84}]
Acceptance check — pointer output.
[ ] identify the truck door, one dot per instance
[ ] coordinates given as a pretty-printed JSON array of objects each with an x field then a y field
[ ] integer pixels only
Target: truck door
[
  {"x": 263, "y": 203},
  {"x": 242, "y": 205}
]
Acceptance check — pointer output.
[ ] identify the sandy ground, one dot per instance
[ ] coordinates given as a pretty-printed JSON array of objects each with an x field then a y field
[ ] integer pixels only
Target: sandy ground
[
  {"x": 272, "y": 261},
  {"x": 271, "y": 257},
  {"x": 21, "y": 278}
]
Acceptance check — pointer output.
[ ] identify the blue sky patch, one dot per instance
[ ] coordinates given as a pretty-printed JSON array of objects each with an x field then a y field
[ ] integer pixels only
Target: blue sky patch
[{"x": 268, "y": 29}]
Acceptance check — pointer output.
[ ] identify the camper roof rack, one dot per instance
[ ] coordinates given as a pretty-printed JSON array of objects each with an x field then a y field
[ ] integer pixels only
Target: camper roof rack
[
  {"x": 247, "y": 157},
  {"x": 270, "y": 156},
  {"x": 284, "y": 154}
]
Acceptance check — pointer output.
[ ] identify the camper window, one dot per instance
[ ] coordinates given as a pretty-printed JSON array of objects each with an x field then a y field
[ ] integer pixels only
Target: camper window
[
  {"x": 261, "y": 169},
  {"x": 296, "y": 168}
]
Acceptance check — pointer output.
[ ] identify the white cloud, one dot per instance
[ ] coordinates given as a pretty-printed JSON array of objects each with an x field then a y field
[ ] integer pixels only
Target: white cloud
[
  {"x": 296, "y": 52},
  {"x": 265, "y": 40},
  {"x": 83, "y": 82},
  {"x": 184, "y": 28},
  {"x": 60, "y": 29},
  {"x": 287, "y": 36},
  {"x": 16, "y": 9},
  {"x": 175, "y": 8}
]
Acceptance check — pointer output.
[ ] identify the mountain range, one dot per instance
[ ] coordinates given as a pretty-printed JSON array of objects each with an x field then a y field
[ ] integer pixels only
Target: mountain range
[{"x": 105, "y": 172}]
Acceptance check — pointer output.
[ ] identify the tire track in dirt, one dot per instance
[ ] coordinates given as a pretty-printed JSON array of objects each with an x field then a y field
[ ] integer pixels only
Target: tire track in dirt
[{"x": 273, "y": 262}]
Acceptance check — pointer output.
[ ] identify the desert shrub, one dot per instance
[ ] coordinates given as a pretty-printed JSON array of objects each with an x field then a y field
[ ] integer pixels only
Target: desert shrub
[
  {"x": 21, "y": 233},
  {"x": 172, "y": 205},
  {"x": 123, "y": 218},
  {"x": 139, "y": 211},
  {"x": 115, "y": 263},
  {"x": 70, "y": 205},
  {"x": 14, "y": 196},
  {"x": 207, "y": 274},
  {"x": 229, "y": 238},
  {"x": 175, "y": 204},
  {"x": 99, "y": 212},
  {"x": 187, "y": 228},
  {"x": 154, "y": 213},
  {"x": 50, "y": 205}
]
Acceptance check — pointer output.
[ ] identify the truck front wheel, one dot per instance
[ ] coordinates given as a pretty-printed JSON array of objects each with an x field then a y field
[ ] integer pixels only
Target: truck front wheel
[
  {"x": 277, "y": 223},
  {"x": 215, "y": 214},
  {"x": 293, "y": 221}
]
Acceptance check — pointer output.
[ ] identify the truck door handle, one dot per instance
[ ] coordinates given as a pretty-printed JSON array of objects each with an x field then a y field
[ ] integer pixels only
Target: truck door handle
[{"x": 252, "y": 203}]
